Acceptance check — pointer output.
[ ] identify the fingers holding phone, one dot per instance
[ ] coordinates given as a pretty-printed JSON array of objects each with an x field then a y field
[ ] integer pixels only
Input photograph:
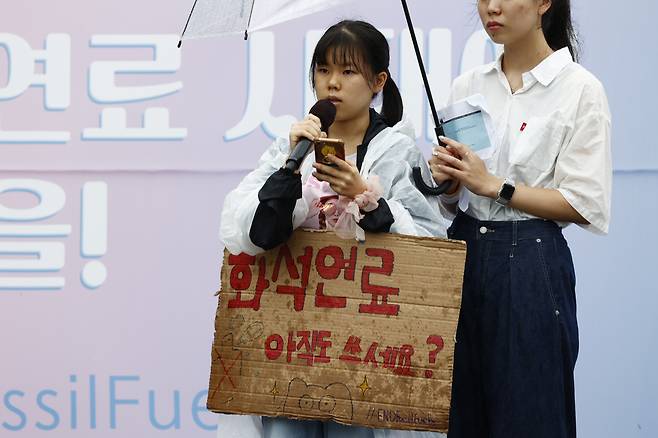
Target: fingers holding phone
[{"x": 343, "y": 176}]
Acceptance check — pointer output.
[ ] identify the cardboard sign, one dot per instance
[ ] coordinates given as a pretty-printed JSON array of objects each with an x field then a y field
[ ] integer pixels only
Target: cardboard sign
[{"x": 324, "y": 328}]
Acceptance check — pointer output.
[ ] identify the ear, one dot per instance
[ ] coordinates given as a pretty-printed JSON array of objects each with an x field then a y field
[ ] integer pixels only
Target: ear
[
  {"x": 544, "y": 6},
  {"x": 379, "y": 82}
]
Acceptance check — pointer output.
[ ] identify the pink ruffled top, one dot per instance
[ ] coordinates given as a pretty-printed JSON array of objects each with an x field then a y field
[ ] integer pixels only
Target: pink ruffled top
[{"x": 330, "y": 211}]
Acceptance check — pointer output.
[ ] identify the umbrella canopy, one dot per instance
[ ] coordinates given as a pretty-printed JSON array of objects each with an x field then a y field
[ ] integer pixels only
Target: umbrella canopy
[{"x": 222, "y": 17}]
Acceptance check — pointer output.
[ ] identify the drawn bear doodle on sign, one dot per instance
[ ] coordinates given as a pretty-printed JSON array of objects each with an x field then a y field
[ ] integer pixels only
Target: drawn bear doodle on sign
[{"x": 331, "y": 401}]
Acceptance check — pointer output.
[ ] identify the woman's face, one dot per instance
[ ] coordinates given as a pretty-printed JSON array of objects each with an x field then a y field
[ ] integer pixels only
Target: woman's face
[
  {"x": 510, "y": 21},
  {"x": 348, "y": 89}
]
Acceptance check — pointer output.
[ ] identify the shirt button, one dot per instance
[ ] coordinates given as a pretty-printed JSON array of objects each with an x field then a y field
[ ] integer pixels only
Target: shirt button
[{"x": 483, "y": 230}]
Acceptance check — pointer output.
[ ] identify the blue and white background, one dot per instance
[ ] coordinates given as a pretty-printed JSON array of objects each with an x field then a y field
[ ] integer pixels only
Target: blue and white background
[{"x": 117, "y": 149}]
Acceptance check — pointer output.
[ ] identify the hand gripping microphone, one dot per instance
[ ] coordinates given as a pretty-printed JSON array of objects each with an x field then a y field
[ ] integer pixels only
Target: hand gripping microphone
[{"x": 323, "y": 109}]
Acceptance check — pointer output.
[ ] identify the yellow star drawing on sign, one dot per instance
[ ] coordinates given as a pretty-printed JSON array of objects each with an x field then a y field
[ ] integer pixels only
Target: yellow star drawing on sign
[
  {"x": 274, "y": 391},
  {"x": 364, "y": 386}
]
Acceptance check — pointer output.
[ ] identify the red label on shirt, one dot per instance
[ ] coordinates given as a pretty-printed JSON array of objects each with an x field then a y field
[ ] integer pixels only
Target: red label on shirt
[{"x": 523, "y": 125}]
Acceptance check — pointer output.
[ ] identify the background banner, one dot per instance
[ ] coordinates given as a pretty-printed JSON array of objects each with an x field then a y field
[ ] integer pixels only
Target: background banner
[{"x": 117, "y": 149}]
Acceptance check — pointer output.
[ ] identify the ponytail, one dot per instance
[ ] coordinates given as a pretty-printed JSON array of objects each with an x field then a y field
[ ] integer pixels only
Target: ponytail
[
  {"x": 392, "y": 107},
  {"x": 558, "y": 28}
]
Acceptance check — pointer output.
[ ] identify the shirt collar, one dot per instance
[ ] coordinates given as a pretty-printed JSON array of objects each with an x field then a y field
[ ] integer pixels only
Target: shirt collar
[
  {"x": 546, "y": 71},
  {"x": 496, "y": 65},
  {"x": 549, "y": 68}
]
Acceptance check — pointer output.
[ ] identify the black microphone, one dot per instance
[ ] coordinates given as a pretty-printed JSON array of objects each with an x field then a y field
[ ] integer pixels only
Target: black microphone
[{"x": 323, "y": 109}]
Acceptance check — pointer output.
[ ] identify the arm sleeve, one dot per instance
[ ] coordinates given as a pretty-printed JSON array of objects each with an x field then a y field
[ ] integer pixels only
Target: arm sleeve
[
  {"x": 378, "y": 220},
  {"x": 272, "y": 223},
  {"x": 412, "y": 212},
  {"x": 583, "y": 170},
  {"x": 240, "y": 204}
]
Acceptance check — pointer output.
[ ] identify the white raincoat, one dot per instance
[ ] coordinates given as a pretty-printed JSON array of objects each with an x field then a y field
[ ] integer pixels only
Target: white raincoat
[{"x": 391, "y": 154}]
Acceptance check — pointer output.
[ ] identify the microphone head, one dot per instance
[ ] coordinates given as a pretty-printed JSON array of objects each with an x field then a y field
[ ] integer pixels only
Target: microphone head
[{"x": 325, "y": 110}]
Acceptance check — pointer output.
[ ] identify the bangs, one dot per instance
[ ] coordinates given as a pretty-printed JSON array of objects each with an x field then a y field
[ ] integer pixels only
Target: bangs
[{"x": 341, "y": 48}]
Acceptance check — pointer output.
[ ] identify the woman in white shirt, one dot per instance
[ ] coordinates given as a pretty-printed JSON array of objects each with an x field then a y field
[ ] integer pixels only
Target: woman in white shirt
[{"x": 517, "y": 339}]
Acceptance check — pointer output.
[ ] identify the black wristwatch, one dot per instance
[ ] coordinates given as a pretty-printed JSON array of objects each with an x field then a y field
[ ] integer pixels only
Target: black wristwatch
[{"x": 505, "y": 193}]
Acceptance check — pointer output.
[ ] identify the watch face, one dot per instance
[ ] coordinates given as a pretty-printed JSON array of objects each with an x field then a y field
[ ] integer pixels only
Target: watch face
[{"x": 507, "y": 191}]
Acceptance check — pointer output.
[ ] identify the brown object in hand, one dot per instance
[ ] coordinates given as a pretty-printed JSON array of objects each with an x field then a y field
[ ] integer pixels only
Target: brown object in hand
[{"x": 328, "y": 146}]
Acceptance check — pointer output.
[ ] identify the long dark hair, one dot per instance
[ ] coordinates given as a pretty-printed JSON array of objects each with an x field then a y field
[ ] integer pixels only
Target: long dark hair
[
  {"x": 558, "y": 28},
  {"x": 359, "y": 43}
]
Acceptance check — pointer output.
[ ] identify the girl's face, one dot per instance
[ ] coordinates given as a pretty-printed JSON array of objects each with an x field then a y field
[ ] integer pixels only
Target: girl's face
[
  {"x": 348, "y": 89},
  {"x": 510, "y": 21}
]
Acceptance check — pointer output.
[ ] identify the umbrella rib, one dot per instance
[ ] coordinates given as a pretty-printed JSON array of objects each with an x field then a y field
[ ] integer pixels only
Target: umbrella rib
[
  {"x": 423, "y": 73},
  {"x": 180, "y": 41},
  {"x": 417, "y": 175},
  {"x": 246, "y": 31}
]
